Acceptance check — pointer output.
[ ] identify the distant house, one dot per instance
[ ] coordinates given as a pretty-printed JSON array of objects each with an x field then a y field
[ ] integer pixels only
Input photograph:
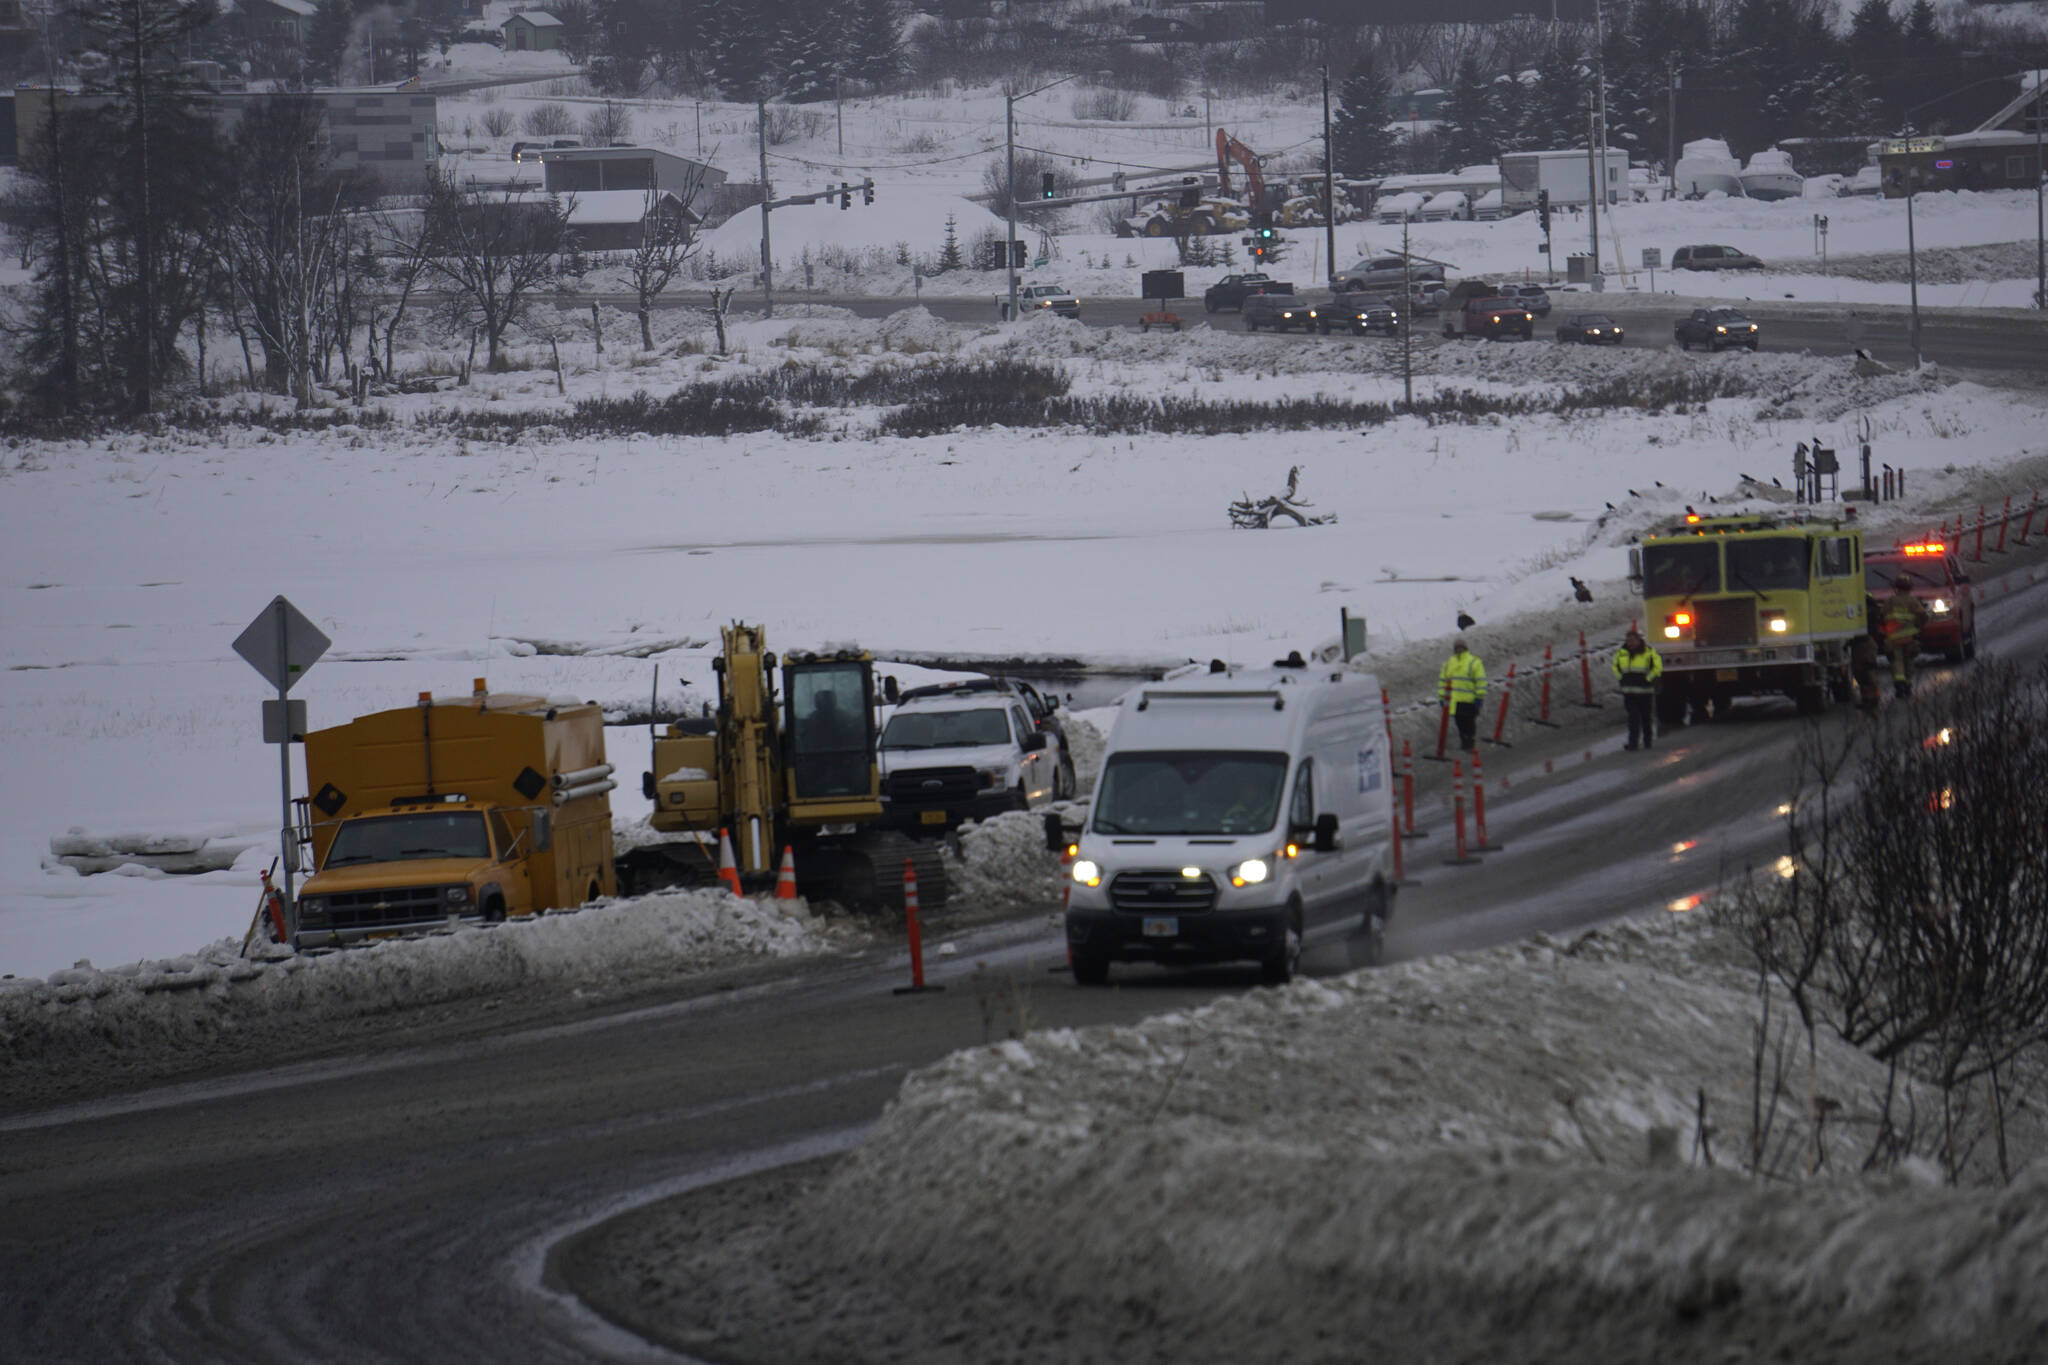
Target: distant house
[
  {"x": 1999, "y": 153},
  {"x": 532, "y": 31},
  {"x": 282, "y": 22},
  {"x": 614, "y": 220}
]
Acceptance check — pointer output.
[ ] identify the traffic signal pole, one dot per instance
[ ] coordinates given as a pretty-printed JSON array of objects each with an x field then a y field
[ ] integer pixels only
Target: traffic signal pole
[{"x": 1329, "y": 185}]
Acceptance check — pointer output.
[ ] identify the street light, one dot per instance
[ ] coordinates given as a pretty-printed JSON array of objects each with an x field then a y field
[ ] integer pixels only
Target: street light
[{"x": 1010, "y": 164}]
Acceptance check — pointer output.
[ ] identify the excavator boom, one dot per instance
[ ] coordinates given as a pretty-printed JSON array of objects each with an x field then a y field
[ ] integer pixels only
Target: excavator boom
[{"x": 1228, "y": 149}]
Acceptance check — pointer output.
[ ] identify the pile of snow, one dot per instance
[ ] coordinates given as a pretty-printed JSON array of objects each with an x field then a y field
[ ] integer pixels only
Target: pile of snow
[
  {"x": 1516, "y": 1133},
  {"x": 179, "y": 1004},
  {"x": 1002, "y": 863},
  {"x": 916, "y": 218}
]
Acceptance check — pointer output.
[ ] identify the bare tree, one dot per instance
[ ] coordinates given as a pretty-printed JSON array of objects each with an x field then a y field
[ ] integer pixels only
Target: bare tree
[
  {"x": 606, "y": 124},
  {"x": 401, "y": 238},
  {"x": 493, "y": 248},
  {"x": 667, "y": 241}
]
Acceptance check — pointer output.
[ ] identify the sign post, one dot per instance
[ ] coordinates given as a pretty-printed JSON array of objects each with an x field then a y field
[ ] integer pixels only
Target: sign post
[{"x": 282, "y": 644}]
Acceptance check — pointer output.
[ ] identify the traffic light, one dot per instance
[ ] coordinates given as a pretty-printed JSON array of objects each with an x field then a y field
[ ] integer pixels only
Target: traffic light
[
  {"x": 1045, "y": 190},
  {"x": 1259, "y": 253},
  {"x": 1543, "y": 211},
  {"x": 845, "y": 195},
  {"x": 1019, "y": 256},
  {"x": 867, "y": 191},
  {"x": 1267, "y": 236}
]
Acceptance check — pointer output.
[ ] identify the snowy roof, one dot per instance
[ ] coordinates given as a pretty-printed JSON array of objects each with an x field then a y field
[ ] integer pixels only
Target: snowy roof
[
  {"x": 305, "y": 9},
  {"x": 537, "y": 18},
  {"x": 2013, "y": 108}
]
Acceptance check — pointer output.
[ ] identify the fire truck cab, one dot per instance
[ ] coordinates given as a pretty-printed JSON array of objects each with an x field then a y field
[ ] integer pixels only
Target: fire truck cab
[{"x": 1749, "y": 606}]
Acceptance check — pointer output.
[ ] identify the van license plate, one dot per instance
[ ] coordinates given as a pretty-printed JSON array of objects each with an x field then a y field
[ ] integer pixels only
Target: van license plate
[
  {"x": 932, "y": 817},
  {"x": 1724, "y": 675},
  {"x": 1162, "y": 928}
]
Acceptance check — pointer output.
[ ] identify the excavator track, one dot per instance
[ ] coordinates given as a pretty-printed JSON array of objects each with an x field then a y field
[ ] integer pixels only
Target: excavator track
[{"x": 864, "y": 872}]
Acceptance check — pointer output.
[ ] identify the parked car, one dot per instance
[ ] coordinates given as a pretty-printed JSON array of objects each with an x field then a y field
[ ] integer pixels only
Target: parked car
[
  {"x": 1358, "y": 314},
  {"x": 1531, "y": 296},
  {"x": 1040, "y": 298},
  {"x": 1942, "y": 587},
  {"x": 1593, "y": 329},
  {"x": 967, "y": 752},
  {"x": 1232, "y": 290},
  {"x": 1713, "y": 258},
  {"x": 1492, "y": 318},
  {"x": 1715, "y": 328},
  {"x": 1385, "y": 273},
  {"x": 1280, "y": 312}
]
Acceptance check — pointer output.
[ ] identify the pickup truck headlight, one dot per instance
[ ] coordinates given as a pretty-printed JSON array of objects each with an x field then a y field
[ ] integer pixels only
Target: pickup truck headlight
[
  {"x": 1721, "y": 329},
  {"x": 990, "y": 777},
  {"x": 455, "y": 895}
]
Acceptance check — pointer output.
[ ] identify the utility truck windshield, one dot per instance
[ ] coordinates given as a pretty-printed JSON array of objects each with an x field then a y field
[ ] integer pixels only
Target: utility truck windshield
[
  {"x": 946, "y": 729},
  {"x": 1177, "y": 793},
  {"x": 397, "y": 838}
]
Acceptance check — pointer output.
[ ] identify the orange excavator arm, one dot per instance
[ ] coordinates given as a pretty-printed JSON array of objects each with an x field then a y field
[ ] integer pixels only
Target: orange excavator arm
[{"x": 1229, "y": 148}]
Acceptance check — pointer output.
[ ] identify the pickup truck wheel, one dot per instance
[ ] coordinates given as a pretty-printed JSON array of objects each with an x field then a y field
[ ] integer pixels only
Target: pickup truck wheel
[
  {"x": 1064, "y": 783},
  {"x": 1251, "y": 324},
  {"x": 1090, "y": 970},
  {"x": 1022, "y": 796}
]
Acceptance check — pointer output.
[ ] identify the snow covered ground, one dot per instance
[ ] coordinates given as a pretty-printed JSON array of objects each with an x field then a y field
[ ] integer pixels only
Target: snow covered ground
[{"x": 558, "y": 566}]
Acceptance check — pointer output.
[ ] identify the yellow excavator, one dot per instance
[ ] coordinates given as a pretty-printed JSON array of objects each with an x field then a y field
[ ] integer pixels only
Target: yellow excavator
[{"x": 790, "y": 767}]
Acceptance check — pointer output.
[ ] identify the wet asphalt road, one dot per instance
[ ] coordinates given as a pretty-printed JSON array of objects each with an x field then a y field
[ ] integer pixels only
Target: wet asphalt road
[{"x": 398, "y": 1204}]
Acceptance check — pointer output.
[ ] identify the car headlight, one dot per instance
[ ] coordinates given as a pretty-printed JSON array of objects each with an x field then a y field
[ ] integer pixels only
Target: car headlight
[
  {"x": 1250, "y": 872},
  {"x": 1087, "y": 872},
  {"x": 1752, "y": 327},
  {"x": 455, "y": 895},
  {"x": 1720, "y": 329},
  {"x": 1939, "y": 606}
]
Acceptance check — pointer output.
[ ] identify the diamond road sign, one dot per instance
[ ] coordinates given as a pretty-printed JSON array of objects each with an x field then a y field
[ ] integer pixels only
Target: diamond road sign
[{"x": 281, "y": 644}]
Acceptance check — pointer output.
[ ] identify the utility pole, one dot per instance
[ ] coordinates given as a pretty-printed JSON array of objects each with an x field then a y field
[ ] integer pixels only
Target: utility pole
[
  {"x": 767, "y": 258},
  {"x": 1329, "y": 182},
  {"x": 1407, "y": 332},
  {"x": 839, "y": 107},
  {"x": 1600, "y": 137},
  {"x": 1913, "y": 263},
  {"x": 1010, "y": 173},
  {"x": 1593, "y": 170},
  {"x": 2040, "y": 237},
  {"x": 1671, "y": 128}
]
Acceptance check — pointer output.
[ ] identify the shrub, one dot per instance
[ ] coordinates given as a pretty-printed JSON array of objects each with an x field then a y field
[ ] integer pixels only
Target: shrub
[{"x": 547, "y": 120}]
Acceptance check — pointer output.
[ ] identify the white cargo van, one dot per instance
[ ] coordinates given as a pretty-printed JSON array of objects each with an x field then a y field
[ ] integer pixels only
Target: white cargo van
[{"x": 1242, "y": 814}]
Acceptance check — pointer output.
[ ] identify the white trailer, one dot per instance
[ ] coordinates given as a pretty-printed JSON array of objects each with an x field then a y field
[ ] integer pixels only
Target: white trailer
[{"x": 1566, "y": 174}]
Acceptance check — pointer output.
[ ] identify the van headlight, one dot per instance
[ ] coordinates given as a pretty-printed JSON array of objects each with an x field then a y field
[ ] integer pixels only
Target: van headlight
[
  {"x": 1250, "y": 872},
  {"x": 1087, "y": 872}
]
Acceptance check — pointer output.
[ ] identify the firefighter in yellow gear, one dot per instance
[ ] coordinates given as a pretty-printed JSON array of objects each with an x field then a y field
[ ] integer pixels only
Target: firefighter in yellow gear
[
  {"x": 1636, "y": 670},
  {"x": 1461, "y": 685},
  {"x": 1904, "y": 619}
]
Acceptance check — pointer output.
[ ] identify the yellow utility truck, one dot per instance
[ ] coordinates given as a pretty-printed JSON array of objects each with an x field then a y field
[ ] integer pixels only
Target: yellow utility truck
[
  {"x": 1748, "y": 606},
  {"x": 477, "y": 808},
  {"x": 782, "y": 768}
]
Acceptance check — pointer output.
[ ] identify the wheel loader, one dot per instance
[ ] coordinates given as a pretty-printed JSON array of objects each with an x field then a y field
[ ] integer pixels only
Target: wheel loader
[{"x": 773, "y": 767}]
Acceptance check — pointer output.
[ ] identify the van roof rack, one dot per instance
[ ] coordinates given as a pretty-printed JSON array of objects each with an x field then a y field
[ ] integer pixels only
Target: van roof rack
[{"x": 1205, "y": 694}]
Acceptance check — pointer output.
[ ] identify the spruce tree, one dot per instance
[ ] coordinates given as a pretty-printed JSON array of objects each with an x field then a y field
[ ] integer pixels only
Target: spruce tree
[
  {"x": 1556, "y": 108},
  {"x": 875, "y": 39},
  {"x": 949, "y": 254},
  {"x": 1468, "y": 117},
  {"x": 1360, "y": 141},
  {"x": 327, "y": 41}
]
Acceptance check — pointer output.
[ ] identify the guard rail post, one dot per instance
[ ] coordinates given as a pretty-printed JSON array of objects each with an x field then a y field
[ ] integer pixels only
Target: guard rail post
[
  {"x": 1461, "y": 856},
  {"x": 1483, "y": 845},
  {"x": 1500, "y": 719}
]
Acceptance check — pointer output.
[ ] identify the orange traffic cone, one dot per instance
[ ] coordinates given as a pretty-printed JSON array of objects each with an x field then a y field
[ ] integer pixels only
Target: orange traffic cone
[
  {"x": 728, "y": 871},
  {"x": 785, "y": 880}
]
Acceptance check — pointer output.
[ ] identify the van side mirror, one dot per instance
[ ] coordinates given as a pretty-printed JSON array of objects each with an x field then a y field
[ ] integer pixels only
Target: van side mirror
[
  {"x": 1034, "y": 741},
  {"x": 1326, "y": 833},
  {"x": 1055, "y": 833}
]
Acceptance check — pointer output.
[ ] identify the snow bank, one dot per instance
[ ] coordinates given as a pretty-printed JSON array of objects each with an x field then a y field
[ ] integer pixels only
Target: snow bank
[
  {"x": 176, "y": 1004},
  {"x": 1514, "y": 1134}
]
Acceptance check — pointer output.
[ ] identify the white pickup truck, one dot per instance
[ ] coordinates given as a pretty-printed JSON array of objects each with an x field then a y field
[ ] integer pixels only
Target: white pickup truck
[{"x": 1039, "y": 298}]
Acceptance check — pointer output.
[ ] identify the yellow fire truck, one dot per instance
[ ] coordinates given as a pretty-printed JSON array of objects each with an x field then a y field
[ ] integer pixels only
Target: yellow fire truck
[
  {"x": 460, "y": 808},
  {"x": 1749, "y": 606}
]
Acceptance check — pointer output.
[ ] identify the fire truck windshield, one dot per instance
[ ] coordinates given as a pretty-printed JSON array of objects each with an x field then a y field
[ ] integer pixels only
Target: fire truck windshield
[
  {"x": 1681, "y": 568},
  {"x": 1767, "y": 564}
]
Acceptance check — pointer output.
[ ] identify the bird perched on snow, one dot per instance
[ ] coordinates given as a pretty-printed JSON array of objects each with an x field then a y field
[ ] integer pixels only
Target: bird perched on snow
[
  {"x": 1612, "y": 508},
  {"x": 1862, "y": 354},
  {"x": 1465, "y": 622},
  {"x": 1581, "y": 591},
  {"x": 1632, "y": 493}
]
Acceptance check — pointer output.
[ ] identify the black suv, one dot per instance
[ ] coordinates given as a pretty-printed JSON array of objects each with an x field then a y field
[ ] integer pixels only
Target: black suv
[
  {"x": 1280, "y": 312},
  {"x": 1358, "y": 314}
]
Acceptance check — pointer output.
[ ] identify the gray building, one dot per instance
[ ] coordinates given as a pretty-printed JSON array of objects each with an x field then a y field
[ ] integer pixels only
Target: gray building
[
  {"x": 388, "y": 134},
  {"x": 591, "y": 170}
]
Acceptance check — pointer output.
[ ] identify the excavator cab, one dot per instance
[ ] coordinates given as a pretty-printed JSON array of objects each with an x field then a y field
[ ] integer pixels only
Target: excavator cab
[{"x": 829, "y": 729}]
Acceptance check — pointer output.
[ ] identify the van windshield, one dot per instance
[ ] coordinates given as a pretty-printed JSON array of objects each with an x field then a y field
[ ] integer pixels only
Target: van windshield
[
  {"x": 946, "y": 729},
  {"x": 396, "y": 838},
  {"x": 1189, "y": 793}
]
